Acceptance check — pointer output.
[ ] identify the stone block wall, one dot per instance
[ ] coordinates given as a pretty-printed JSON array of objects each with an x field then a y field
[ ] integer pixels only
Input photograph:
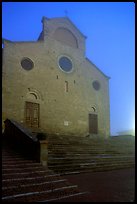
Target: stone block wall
[{"x": 61, "y": 112}]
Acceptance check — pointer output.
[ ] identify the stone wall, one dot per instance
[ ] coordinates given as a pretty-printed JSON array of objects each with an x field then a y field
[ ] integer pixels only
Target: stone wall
[{"x": 60, "y": 112}]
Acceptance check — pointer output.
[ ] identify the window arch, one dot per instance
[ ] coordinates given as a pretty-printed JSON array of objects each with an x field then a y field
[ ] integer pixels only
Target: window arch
[
  {"x": 93, "y": 109},
  {"x": 66, "y": 36},
  {"x": 34, "y": 95}
]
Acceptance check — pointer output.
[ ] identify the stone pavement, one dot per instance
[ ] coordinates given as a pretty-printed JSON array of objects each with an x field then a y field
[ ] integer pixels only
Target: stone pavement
[{"x": 108, "y": 186}]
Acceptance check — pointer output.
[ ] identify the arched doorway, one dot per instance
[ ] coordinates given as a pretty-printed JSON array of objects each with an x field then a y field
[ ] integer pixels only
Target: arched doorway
[
  {"x": 93, "y": 123},
  {"x": 32, "y": 109}
]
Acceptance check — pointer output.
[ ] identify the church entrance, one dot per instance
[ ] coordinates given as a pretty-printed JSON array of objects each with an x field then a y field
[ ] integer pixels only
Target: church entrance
[
  {"x": 93, "y": 124},
  {"x": 32, "y": 114}
]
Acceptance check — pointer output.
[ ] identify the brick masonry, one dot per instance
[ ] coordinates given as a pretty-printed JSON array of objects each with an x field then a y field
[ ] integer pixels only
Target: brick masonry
[{"x": 60, "y": 112}]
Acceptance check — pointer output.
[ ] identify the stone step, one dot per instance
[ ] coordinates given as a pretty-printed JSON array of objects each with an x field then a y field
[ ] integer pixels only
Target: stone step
[
  {"x": 14, "y": 162},
  {"x": 23, "y": 179},
  {"x": 33, "y": 184},
  {"x": 89, "y": 157},
  {"x": 34, "y": 187},
  {"x": 89, "y": 146},
  {"x": 70, "y": 160},
  {"x": 91, "y": 142},
  {"x": 99, "y": 169},
  {"x": 25, "y": 169},
  {"x": 82, "y": 149},
  {"x": 76, "y": 197},
  {"x": 65, "y": 167},
  {"x": 21, "y": 165},
  {"x": 93, "y": 168},
  {"x": 33, "y": 173},
  {"x": 84, "y": 153},
  {"x": 92, "y": 163},
  {"x": 43, "y": 195},
  {"x": 78, "y": 153}
]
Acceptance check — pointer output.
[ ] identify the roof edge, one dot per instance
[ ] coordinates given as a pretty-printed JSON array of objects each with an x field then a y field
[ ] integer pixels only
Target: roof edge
[
  {"x": 97, "y": 68},
  {"x": 45, "y": 18},
  {"x": 3, "y": 39},
  {"x": 76, "y": 27}
]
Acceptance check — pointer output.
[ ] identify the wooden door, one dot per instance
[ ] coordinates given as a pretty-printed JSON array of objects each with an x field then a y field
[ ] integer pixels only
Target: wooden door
[
  {"x": 32, "y": 114},
  {"x": 93, "y": 124}
]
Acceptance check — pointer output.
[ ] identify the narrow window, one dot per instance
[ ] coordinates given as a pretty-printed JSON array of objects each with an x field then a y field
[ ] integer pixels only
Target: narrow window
[{"x": 66, "y": 86}]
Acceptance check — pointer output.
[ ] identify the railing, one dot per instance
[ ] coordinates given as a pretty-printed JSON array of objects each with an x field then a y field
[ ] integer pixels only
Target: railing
[{"x": 23, "y": 141}]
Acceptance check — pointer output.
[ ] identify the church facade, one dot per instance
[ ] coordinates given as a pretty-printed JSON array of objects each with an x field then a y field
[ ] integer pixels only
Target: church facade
[{"x": 50, "y": 84}]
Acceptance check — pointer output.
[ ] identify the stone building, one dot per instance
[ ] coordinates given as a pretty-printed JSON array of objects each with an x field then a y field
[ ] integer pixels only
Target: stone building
[{"x": 50, "y": 84}]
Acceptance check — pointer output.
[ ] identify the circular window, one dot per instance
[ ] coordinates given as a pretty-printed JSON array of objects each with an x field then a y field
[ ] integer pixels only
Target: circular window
[
  {"x": 27, "y": 64},
  {"x": 96, "y": 85},
  {"x": 65, "y": 64}
]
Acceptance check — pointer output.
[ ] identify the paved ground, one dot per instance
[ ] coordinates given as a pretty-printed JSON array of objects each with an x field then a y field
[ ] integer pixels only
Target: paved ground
[{"x": 109, "y": 186}]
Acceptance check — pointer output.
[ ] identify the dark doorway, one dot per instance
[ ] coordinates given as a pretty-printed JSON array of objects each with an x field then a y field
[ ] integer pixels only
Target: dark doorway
[
  {"x": 93, "y": 124},
  {"x": 32, "y": 114}
]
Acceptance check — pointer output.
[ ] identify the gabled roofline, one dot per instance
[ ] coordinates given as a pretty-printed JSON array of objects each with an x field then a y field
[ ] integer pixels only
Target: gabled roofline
[
  {"x": 97, "y": 68},
  {"x": 76, "y": 27},
  {"x": 68, "y": 20}
]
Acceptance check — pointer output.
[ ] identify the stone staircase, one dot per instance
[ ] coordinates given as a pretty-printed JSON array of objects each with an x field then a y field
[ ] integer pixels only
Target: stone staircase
[
  {"x": 24, "y": 180},
  {"x": 67, "y": 155}
]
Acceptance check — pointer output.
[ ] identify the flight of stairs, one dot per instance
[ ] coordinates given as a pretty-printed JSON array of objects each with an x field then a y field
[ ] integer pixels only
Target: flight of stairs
[
  {"x": 67, "y": 155},
  {"x": 24, "y": 180}
]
